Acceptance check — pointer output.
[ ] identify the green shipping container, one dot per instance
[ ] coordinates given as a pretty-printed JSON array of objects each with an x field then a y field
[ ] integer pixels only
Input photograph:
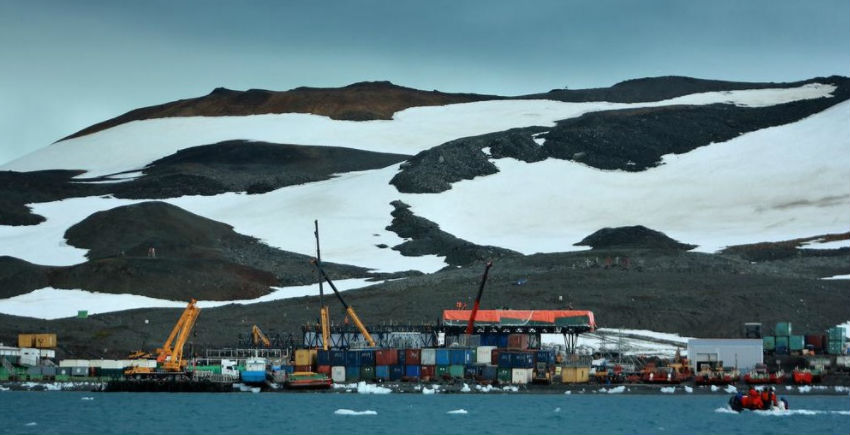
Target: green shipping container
[
  {"x": 505, "y": 375},
  {"x": 796, "y": 342},
  {"x": 442, "y": 370},
  {"x": 63, "y": 378},
  {"x": 834, "y": 348},
  {"x": 783, "y": 329},
  {"x": 367, "y": 373},
  {"x": 456, "y": 371},
  {"x": 836, "y": 333},
  {"x": 782, "y": 341},
  {"x": 769, "y": 342}
]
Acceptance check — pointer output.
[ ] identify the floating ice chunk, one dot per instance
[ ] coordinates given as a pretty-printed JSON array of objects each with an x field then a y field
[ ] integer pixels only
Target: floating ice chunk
[
  {"x": 458, "y": 411},
  {"x": 352, "y": 412}
]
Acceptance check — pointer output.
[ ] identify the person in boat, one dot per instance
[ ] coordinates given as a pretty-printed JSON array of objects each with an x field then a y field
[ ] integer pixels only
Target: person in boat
[{"x": 752, "y": 400}]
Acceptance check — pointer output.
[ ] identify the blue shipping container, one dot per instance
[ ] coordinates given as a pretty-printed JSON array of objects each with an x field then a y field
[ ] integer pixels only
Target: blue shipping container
[
  {"x": 547, "y": 356},
  {"x": 505, "y": 359},
  {"x": 412, "y": 371},
  {"x": 323, "y": 357},
  {"x": 396, "y": 372},
  {"x": 337, "y": 358},
  {"x": 489, "y": 372},
  {"x": 442, "y": 357},
  {"x": 352, "y": 358},
  {"x": 382, "y": 372},
  {"x": 352, "y": 373},
  {"x": 522, "y": 360},
  {"x": 459, "y": 357},
  {"x": 367, "y": 357}
]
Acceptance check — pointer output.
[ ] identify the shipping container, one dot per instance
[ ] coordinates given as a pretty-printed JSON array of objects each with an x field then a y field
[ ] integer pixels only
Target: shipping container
[
  {"x": 63, "y": 371},
  {"x": 44, "y": 341},
  {"x": 396, "y": 372},
  {"x": 111, "y": 364},
  {"x": 518, "y": 341},
  {"x": 79, "y": 371},
  {"x": 782, "y": 341},
  {"x": 305, "y": 357},
  {"x": 34, "y": 370},
  {"x": 338, "y": 374},
  {"x": 428, "y": 357},
  {"x": 48, "y": 371},
  {"x": 74, "y": 363},
  {"x": 836, "y": 333},
  {"x": 521, "y": 376},
  {"x": 402, "y": 357},
  {"x": 460, "y": 357},
  {"x": 412, "y": 371},
  {"x": 781, "y": 350},
  {"x": 47, "y": 353},
  {"x": 816, "y": 341},
  {"x": 572, "y": 375},
  {"x": 352, "y": 358},
  {"x": 352, "y": 373},
  {"x": 783, "y": 329},
  {"x": 338, "y": 358},
  {"x": 546, "y": 355},
  {"x": 472, "y": 372},
  {"x": 484, "y": 355},
  {"x": 494, "y": 356},
  {"x": 26, "y": 340},
  {"x": 769, "y": 342},
  {"x": 442, "y": 357},
  {"x": 835, "y": 348},
  {"x": 796, "y": 342},
  {"x": 489, "y": 372},
  {"x": 505, "y": 359},
  {"x": 441, "y": 372},
  {"x": 323, "y": 357},
  {"x": 522, "y": 360},
  {"x": 367, "y": 358},
  {"x": 382, "y": 372},
  {"x": 427, "y": 372},
  {"x": 367, "y": 373},
  {"x": 412, "y": 357},
  {"x": 306, "y": 368},
  {"x": 323, "y": 369},
  {"x": 504, "y": 375},
  {"x": 456, "y": 370},
  {"x": 386, "y": 357}
]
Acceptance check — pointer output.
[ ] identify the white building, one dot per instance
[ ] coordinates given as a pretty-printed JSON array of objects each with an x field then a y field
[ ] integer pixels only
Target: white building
[{"x": 739, "y": 353}]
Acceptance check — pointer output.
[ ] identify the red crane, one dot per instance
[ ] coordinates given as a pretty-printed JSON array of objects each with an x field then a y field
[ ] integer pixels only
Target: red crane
[{"x": 478, "y": 299}]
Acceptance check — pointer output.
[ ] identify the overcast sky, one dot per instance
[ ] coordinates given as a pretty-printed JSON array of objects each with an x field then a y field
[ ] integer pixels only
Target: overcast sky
[{"x": 69, "y": 64}]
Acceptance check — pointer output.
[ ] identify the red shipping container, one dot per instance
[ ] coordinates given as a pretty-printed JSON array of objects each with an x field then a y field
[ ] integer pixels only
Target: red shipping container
[
  {"x": 386, "y": 357},
  {"x": 427, "y": 372},
  {"x": 303, "y": 368},
  {"x": 494, "y": 357},
  {"x": 518, "y": 341},
  {"x": 815, "y": 340},
  {"x": 413, "y": 357},
  {"x": 324, "y": 369}
]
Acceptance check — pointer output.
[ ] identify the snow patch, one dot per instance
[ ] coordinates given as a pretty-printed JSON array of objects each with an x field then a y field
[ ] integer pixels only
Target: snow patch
[
  {"x": 730, "y": 389},
  {"x": 615, "y": 390},
  {"x": 465, "y": 388},
  {"x": 689, "y": 389},
  {"x": 668, "y": 390},
  {"x": 364, "y": 388}
]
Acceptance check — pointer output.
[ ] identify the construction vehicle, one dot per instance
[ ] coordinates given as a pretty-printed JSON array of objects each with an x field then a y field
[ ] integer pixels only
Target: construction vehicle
[
  {"x": 471, "y": 322},
  {"x": 169, "y": 357},
  {"x": 258, "y": 337},
  {"x": 348, "y": 309}
]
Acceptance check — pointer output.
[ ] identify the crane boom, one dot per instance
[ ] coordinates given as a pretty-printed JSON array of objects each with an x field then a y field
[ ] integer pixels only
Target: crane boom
[
  {"x": 471, "y": 322},
  {"x": 171, "y": 353},
  {"x": 323, "y": 310},
  {"x": 349, "y": 310},
  {"x": 259, "y": 337}
]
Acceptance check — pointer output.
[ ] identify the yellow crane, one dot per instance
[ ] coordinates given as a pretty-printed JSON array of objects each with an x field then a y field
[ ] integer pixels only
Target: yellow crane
[
  {"x": 348, "y": 309},
  {"x": 170, "y": 355},
  {"x": 259, "y": 337}
]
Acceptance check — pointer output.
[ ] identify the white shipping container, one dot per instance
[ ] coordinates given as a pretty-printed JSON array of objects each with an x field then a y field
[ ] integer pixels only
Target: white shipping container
[
  {"x": 96, "y": 363},
  {"x": 28, "y": 360},
  {"x": 111, "y": 364},
  {"x": 74, "y": 363},
  {"x": 428, "y": 357},
  {"x": 484, "y": 354},
  {"x": 521, "y": 376},
  {"x": 842, "y": 361},
  {"x": 47, "y": 353},
  {"x": 338, "y": 374}
]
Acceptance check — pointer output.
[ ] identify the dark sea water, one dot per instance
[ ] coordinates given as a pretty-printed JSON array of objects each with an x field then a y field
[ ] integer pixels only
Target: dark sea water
[{"x": 335, "y": 413}]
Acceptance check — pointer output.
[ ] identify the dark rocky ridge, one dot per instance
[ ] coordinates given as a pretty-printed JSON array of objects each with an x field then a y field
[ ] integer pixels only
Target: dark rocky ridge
[
  {"x": 195, "y": 257},
  {"x": 637, "y": 236},
  {"x": 428, "y": 239},
  {"x": 231, "y": 166},
  {"x": 628, "y": 139},
  {"x": 356, "y": 102}
]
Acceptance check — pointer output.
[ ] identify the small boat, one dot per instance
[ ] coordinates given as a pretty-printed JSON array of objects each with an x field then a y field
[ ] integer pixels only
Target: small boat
[
  {"x": 307, "y": 381},
  {"x": 739, "y": 403},
  {"x": 806, "y": 376}
]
